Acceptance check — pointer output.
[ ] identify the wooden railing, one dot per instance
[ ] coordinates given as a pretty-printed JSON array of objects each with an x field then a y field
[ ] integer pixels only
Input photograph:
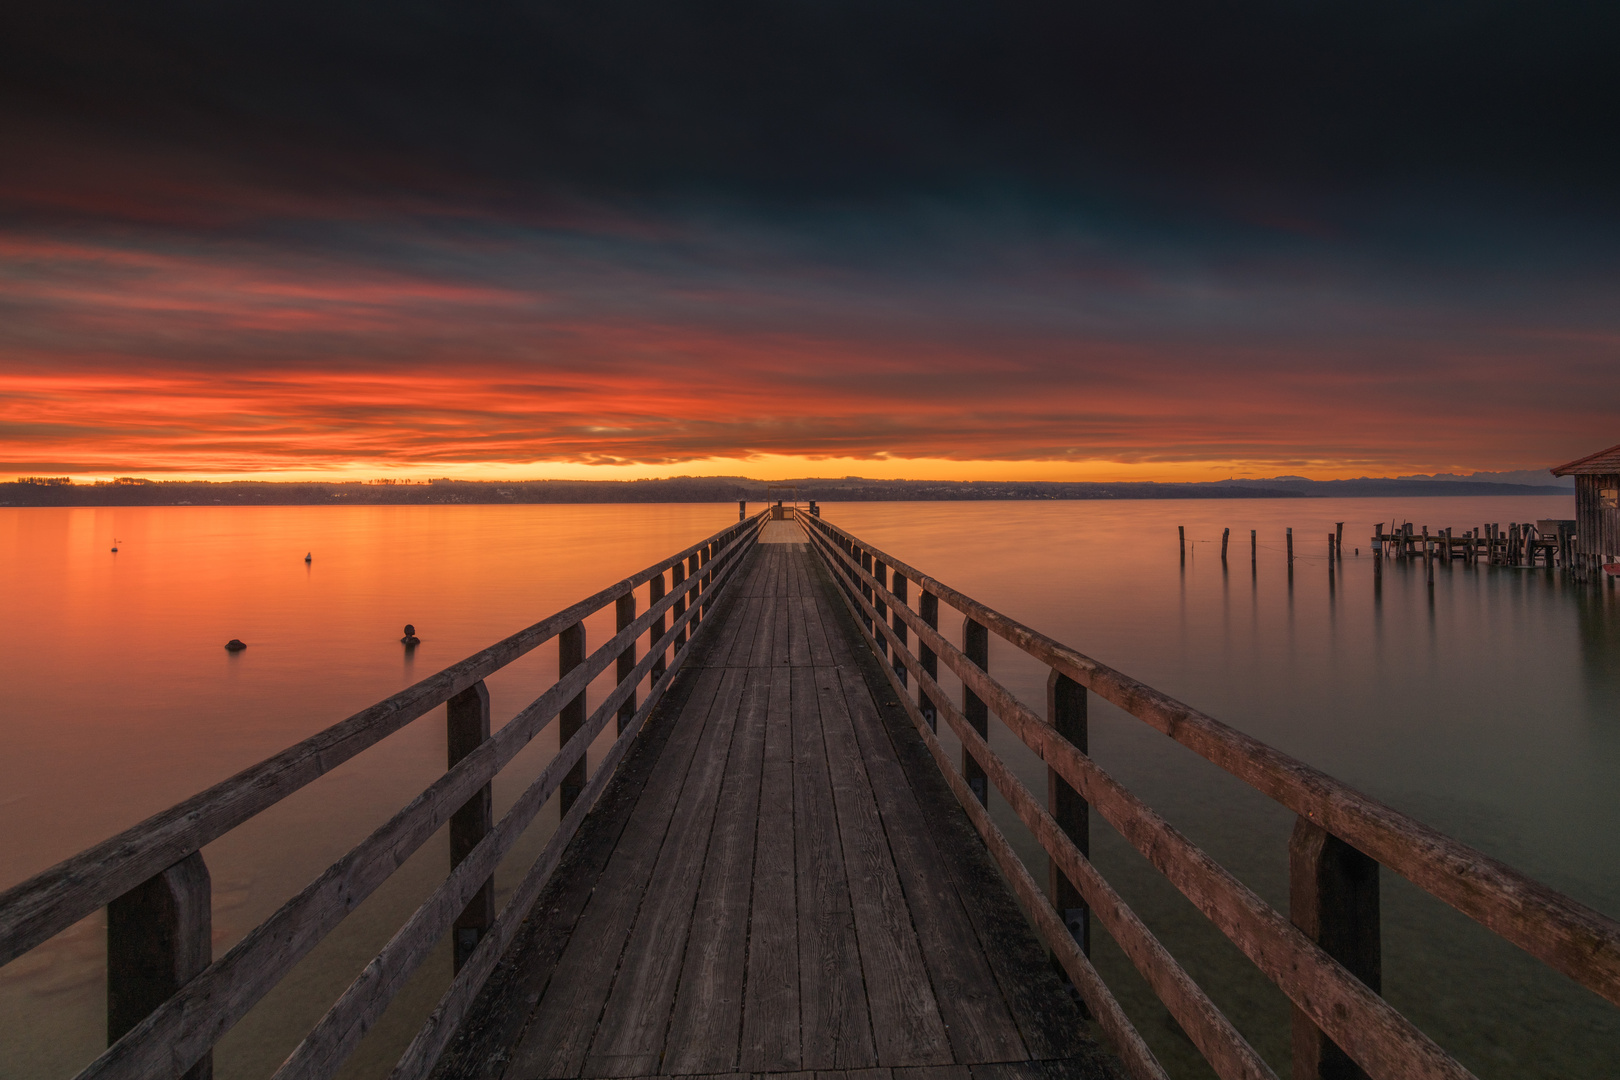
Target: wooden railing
[
  {"x": 1325, "y": 955},
  {"x": 169, "y": 1003}
]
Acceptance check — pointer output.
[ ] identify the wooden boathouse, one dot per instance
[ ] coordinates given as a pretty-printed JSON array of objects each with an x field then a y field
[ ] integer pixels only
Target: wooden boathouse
[
  {"x": 1597, "y": 507},
  {"x": 778, "y": 870}
]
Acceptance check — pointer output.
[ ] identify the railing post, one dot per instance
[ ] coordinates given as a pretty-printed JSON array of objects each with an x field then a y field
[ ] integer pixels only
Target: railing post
[
  {"x": 708, "y": 577},
  {"x": 928, "y": 612},
  {"x": 866, "y": 590},
  {"x": 1066, "y": 711},
  {"x": 1333, "y": 899},
  {"x": 467, "y": 725},
  {"x": 571, "y": 654},
  {"x": 677, "y": 578},
  {"x": 881, "y": 573},
  {"x": 692, "y": 566},
  {"x": 159, "y": 937},
  {"x": 624, "y": 613},
  {"x": 655, "y": 593},
  {"x": 900, "y": 589},
  {"x": 976, "y": 645}
]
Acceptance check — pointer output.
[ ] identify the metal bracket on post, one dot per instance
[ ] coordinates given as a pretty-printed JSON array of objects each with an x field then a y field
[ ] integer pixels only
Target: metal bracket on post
[
  {"x": 571, "y": 654},
  {"x": 976, "y": 646},
  {"x": 466, "y": 726},
  {"x": 159, "y": 937},
  {"x": 1333, "y": 899}
]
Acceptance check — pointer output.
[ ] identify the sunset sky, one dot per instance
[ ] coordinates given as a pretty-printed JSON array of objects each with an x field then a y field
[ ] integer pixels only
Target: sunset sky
[{"x": 1160, "y": 240}]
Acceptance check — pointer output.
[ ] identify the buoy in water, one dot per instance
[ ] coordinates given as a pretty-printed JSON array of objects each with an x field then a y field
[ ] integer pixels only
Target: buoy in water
[
  {"x": 235, "y": 645},
  {"x": 410, "y": 637},
  {"x": 115, "y": 547},
  {"x": 309, "y": 556}
]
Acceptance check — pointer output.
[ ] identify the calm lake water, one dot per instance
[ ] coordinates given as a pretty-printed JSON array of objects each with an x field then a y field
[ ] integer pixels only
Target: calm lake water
[{"x": 1491, "y": 712}]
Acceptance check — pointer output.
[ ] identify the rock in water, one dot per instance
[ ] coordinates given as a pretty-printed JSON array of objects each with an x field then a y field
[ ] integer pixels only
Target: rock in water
[{"x": 236, "y": 645}]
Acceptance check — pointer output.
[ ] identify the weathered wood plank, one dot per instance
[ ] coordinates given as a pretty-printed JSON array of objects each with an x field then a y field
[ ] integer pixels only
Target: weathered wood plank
[
  {"x": 706, "y": 1025},
  {"x": 630, "y": 1036},
  {"x": 836, "y": 1029},
  {"x": 906, "y": 1025},
  {"x": 481, "y": 1049},
  {"x": 770, "y": 1032},
  {"x": 980, "y": 1025},
  {"x": 1048, "y": 1022},
  {"x": 559, "y": 1034}
]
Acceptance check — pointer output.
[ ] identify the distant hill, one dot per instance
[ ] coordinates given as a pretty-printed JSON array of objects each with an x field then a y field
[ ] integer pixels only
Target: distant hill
[{"x": 732, "y": 488}]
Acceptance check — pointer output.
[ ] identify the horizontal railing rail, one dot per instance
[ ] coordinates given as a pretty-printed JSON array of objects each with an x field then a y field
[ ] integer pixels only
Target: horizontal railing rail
[
  {"x": 1329, "y": 971},
  {"x": 170, "y": 1032}
]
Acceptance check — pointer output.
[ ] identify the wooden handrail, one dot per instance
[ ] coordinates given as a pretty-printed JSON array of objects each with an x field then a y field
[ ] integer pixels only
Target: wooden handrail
[
  {"x": 54, "y": 899},
  {"x": 180, "y": 1031},
  {"x": 1357, "y": 1019},
  {"x": 1568, "y": 936}
]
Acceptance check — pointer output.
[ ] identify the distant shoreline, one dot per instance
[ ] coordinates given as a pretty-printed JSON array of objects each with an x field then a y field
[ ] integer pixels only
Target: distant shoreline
[{"x": 719, "y": 490}]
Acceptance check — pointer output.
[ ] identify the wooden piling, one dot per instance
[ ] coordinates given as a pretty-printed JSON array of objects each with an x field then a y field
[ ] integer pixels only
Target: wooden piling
[
  {"x": 1338, "y": 539},
  {"x": 1226, "y": 535},
  {"x": 1181, "y": 532},
  {"x": 1254, "y": 549},
  {"x": 466, "y": 728}
]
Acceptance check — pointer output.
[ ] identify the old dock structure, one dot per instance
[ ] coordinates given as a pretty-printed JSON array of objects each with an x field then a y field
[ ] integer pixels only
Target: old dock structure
[{"x": 777, "y": 868}]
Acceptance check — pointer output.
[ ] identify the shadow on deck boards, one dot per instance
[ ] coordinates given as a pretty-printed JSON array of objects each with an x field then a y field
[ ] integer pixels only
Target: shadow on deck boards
[{"x": 777, "y": 881}]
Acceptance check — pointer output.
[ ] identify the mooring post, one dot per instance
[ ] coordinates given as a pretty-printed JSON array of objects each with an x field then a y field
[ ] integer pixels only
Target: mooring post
[
  {"x": 976, "y": 645},
  {"x": 900, "y": 586},
  {"x": 1333, "y": 899},
  {"x": 655, "y": 593},
  {"x": 1226, "y": 535},
  {"x": 1254, "y": 550},
  {"x": 1066, "y": 711},
  {"x": 466, "y": 726},
  {"x": 571, "y": 654},
  {"x": 881, "y": 573},
  {"x": 1181, "y": 533},
  {"x": 1330, "y": 554},
  {"x": 928, "y": 612},
  {"x": 1290, "y": 549},
  {"x": 624, "y": 613},
  {"x": 159, "y": 937},
  {"x": 1338, "y": 539}
]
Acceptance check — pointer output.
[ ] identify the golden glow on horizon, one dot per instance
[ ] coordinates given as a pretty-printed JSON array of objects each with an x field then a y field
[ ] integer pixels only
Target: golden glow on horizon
[{"x": 770, "y": 467}]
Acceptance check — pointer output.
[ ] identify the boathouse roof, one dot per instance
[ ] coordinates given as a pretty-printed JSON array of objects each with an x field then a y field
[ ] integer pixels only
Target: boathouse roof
[{"x": 1603, "y": 462}]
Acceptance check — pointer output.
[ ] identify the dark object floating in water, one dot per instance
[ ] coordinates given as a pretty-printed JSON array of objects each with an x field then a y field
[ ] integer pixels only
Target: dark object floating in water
[
  {"x": 235, "y": 645},
  {"x": 309, "y": 556},
  {"x": 410, "y": 637},
  {"x": 115, "y": 547}
]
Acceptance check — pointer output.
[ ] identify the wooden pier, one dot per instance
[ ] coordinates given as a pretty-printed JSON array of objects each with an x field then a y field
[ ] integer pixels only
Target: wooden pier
[{"x": 777, "y": 870}]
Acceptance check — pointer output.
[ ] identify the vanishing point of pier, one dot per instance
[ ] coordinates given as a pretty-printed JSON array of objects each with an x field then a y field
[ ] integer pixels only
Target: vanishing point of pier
[{"x": 778, "y": 870}]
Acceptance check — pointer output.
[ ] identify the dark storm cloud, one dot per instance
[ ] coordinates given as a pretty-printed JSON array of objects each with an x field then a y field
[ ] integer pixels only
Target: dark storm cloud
[
  {"x": 1273, "y": 114},
  {"x": 1323, "y": 231}
]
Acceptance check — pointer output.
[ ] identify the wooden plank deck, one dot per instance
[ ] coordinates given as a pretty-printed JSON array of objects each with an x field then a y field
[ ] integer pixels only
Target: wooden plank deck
[{"x": 778, "y": 882}]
